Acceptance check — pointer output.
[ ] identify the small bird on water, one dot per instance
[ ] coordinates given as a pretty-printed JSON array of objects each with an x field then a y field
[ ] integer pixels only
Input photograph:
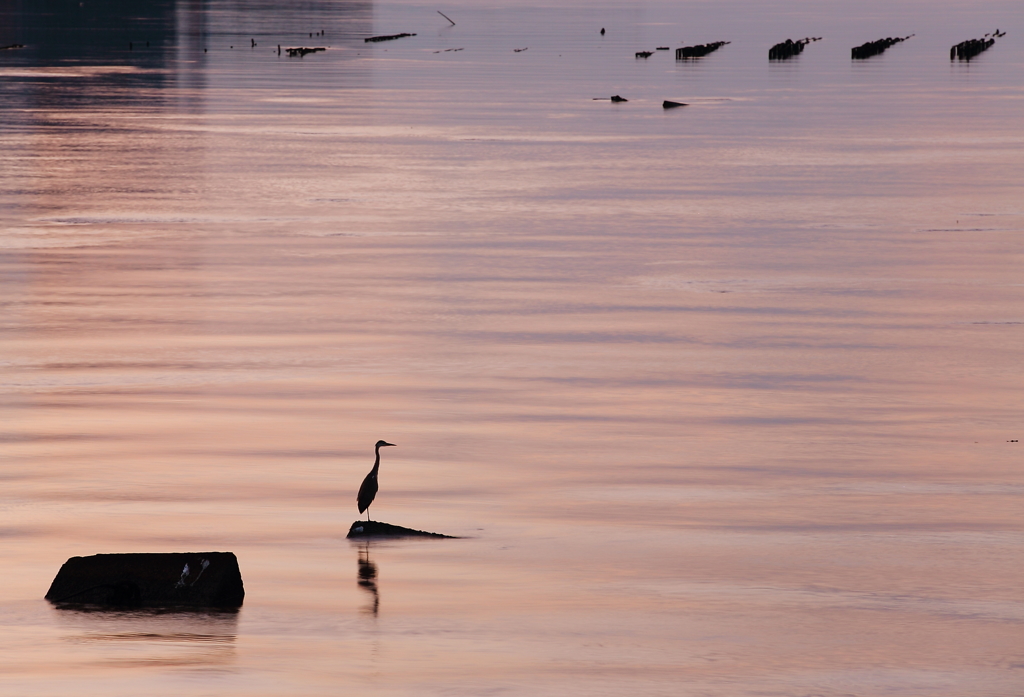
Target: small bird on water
[{"x": 368, "y": 489}]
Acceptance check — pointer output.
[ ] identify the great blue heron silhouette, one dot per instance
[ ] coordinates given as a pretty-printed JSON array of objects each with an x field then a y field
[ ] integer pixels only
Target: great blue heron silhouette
[{"x": 368, "y": 489}]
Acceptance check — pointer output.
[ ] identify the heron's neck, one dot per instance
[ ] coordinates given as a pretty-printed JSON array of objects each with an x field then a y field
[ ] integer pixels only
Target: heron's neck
[{"x": 376, "y": 462}]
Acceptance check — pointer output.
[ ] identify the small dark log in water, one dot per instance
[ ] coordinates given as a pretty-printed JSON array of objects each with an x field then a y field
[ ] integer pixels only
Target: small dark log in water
[
  {"x": 966, "y": 50},
  {"x": 301, "y": 51},
  {"x": 176, "y": 580},
  {"x": 789, "y": 48},
  {"x": 667, "y": 104},
  {"x": 617, "y": 98},
  {"x": 373, "y": 528},
  {"x": 699, "y": 51},
  {"x": 389, "y": 37},
  {"x": 10, "y": 46},
  {"x": 644, "y": 54},
  {"x": 873, "y": 48}
]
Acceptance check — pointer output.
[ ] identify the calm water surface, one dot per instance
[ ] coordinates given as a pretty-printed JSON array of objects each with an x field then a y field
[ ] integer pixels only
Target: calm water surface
[{"x": 721, "y": 398}]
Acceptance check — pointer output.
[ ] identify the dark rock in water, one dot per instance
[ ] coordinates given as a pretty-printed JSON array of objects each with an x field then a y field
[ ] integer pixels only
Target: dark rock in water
[
  {"x": 389, "y": 37},
  {"x": 644, "y": 54},
  {"x": 373, "y": 528},
  {"x": 966, "y": 50},
  {"x": 175, "y": 580},
  {"x": 301, "y": 51},
  {"x": 617, "y": 98},
  {"x": 10, "y": 46},
  {"x": 662, "y": 48},
  {"x": 874, "y": 48},
  {"x": 699, "y": 51},
  {"x": 672, "y": 105}
]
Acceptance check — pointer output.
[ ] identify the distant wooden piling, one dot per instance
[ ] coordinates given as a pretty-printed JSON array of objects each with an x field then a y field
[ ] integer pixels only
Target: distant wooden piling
[
  {"x": 789, "y": 48},
  {"x": 966, "y": 50},
  {"x": 699, "y": 51},
  {"x": 874, "y": 48}
]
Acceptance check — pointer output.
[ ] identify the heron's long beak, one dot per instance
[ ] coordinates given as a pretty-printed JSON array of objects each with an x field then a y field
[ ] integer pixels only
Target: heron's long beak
[{"x": 389, "y": 444}]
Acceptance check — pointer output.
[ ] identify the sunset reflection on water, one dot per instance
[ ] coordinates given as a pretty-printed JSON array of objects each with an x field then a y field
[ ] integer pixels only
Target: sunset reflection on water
[{"x": 721, "y": 400}]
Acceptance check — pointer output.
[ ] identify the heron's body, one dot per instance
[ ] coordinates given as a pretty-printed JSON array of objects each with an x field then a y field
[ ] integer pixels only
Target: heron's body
[{"x": 368, "y": 489}]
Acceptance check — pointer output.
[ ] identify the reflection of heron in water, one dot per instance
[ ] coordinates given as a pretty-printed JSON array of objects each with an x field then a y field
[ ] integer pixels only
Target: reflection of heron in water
[
  {"x": 368, "y": 489},
  {"x": 367, "y": 578}
]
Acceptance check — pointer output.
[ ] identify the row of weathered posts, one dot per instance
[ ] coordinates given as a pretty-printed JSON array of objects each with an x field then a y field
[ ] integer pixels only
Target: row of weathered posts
[
  {"x": 789, "y": 48},
  {"x": 965, "y": 50}
]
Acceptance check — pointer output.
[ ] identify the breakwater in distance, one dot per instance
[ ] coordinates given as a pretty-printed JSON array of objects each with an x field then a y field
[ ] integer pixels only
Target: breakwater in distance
[{"x": 784, "y": 50}]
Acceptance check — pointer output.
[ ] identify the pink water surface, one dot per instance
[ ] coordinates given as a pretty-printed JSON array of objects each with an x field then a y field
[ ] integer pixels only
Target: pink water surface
[{"x": 723, "y": 400}]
